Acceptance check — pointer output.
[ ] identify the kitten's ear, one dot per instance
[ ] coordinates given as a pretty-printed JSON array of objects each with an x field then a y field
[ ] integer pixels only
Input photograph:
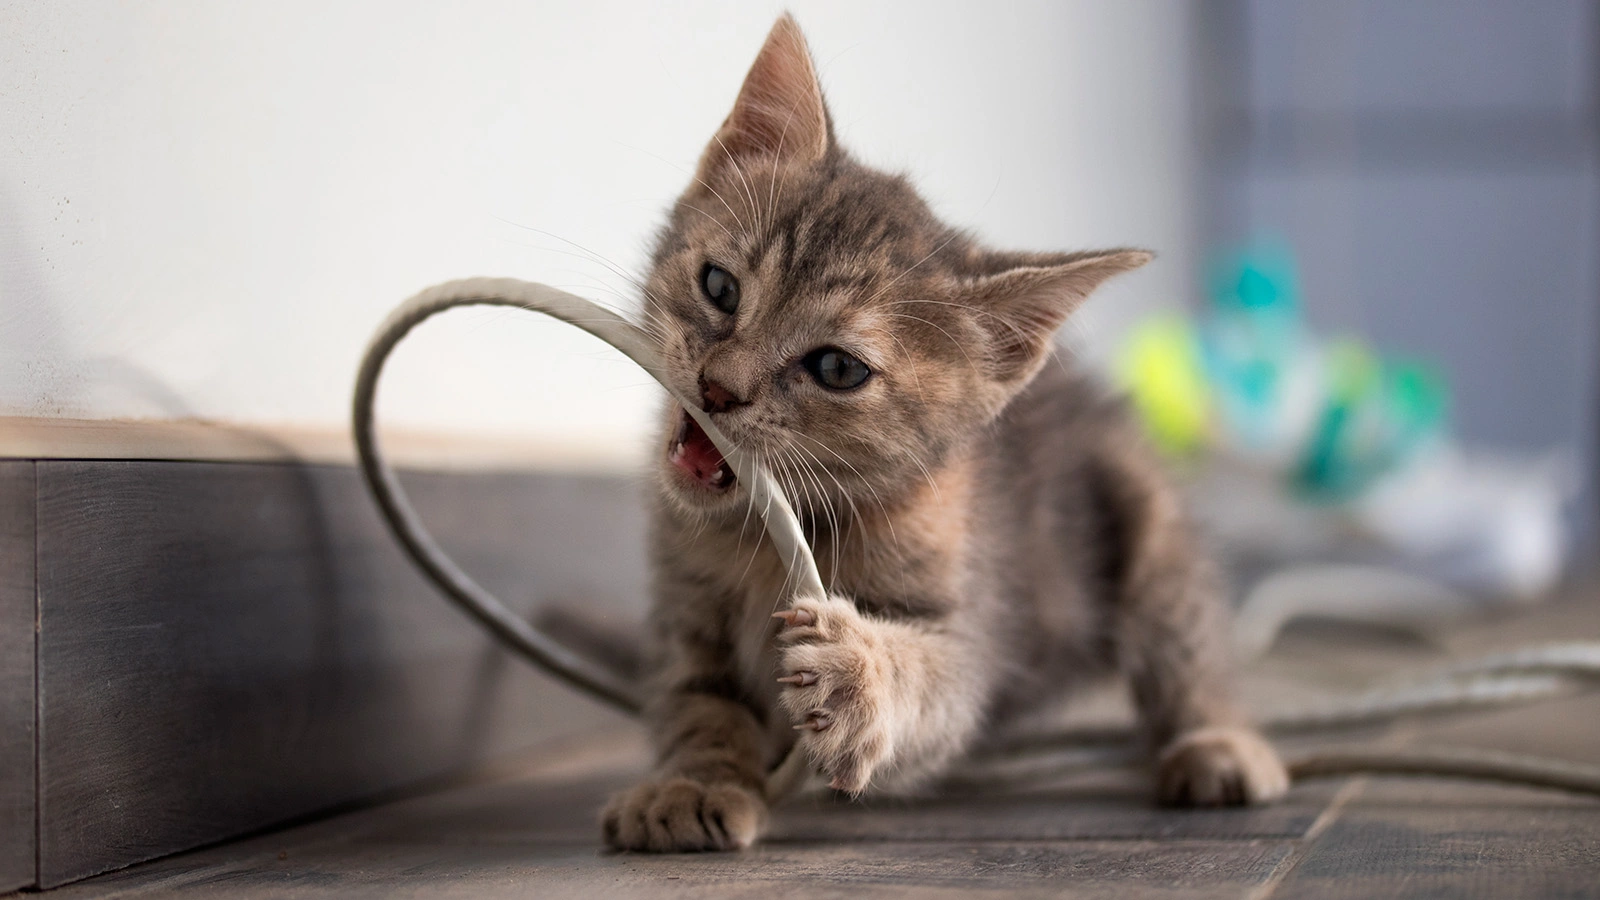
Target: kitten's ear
[
  {"x": 1025, "y": 298},
  {"x": 779, "y": 112}
]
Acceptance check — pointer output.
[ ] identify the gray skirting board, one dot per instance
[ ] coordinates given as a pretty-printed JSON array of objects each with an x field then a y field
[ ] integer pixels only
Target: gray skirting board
[
  {"x": 18, "y": 693},
  {"x": 222, "y": 647}
]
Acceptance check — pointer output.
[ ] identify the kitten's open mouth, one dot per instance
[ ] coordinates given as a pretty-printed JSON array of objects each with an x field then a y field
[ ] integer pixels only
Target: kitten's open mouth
[{"x": 694, "y": 454}]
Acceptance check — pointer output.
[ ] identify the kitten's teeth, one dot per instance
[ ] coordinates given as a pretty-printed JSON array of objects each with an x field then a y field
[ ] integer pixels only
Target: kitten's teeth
[{"x": 718, "y": 477}]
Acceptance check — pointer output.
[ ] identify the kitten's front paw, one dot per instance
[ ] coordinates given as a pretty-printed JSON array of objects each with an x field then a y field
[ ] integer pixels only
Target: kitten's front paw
[
  {"x": 839, "y": 676},
  {"x": 678, "y": 815},
  {"x": 1220, "y": 766}
]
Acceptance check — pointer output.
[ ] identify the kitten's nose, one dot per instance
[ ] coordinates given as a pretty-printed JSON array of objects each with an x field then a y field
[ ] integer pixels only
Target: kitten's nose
[{"x": 715, "y": 398}]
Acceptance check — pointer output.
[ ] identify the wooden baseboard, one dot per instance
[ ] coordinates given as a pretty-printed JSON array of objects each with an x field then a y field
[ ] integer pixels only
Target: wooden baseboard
[
  {"x": 223, "y": 647},
  {"x": 18, "y": 691},
  {"x": 23, "y": 437}
]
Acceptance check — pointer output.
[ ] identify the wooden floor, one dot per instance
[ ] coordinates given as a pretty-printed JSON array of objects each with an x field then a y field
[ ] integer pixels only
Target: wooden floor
[{"x": 528, "y": 829}]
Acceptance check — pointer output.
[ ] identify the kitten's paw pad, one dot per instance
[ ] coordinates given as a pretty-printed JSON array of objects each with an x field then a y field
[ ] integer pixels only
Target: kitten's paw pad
[
  {"x": 1220, "y": 766},
  {"x": 677, "y": 815},
  {"x": 837, "y": 678}
]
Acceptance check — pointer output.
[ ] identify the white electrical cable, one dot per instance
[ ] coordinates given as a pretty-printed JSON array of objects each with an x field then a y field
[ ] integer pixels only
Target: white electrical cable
[
  {"x": 1520, "y": 676},
  {"x": 765, "y": 496},
  {"x": 1511, "y": 677}
]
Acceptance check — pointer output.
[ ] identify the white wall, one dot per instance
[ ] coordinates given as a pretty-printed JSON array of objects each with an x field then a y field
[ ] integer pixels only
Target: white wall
[{"x": 206, "y": 207}]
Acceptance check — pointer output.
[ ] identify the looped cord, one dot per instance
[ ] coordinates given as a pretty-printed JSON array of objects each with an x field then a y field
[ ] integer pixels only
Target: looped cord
[{"x": 1517, "y": 676}]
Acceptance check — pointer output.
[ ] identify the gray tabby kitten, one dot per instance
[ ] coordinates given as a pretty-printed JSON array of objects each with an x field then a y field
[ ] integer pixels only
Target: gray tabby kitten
[{"x": 992, "y": 530}]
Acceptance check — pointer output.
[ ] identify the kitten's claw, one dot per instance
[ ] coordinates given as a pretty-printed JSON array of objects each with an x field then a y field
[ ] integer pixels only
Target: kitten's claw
[
  {"x": 817, "y": 721},
  {"x": 837, "y": 686},
  {"x": 795, "y": 618}
]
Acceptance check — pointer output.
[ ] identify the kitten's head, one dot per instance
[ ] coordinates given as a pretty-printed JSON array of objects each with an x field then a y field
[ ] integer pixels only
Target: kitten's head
[{"x": 822, "y": 314}]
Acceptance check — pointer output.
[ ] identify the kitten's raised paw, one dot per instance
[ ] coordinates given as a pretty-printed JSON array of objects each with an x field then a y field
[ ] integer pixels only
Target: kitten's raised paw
[
  {"x": 1220, "y": 766},
  {"x": 838, "y": 675},
  {"x": 678, "y": 815}
]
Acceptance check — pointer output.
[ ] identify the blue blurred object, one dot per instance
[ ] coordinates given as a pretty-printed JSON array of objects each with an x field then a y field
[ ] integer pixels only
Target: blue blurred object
[
  {"x": 1333, "y": 415},
  {"x": 1342, "y": 432},
  {"x": 1254, "y": 345}
]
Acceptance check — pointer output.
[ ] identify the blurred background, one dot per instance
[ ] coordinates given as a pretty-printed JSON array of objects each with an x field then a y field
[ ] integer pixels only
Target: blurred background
[
  {"x": 206, "y": 208},
  {"x": 1418, "y": 177},
  {"x": 1369, "y": 346}
]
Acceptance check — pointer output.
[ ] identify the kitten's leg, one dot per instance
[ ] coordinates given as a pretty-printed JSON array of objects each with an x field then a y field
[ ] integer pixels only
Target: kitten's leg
[
  {"x": 712, "y": 748},
  {"x": 1171, "y": 640},
  {"x": 870, "y": 695}
]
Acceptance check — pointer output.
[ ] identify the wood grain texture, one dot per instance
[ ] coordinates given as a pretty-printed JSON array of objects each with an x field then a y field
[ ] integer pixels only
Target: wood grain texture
[
  {"x": 17, "y": 694},
  {"x": 565, "y": 812},
  {"x": 1113, "y": 869},
  {"x": 225, "y": 647},
  {"x": 532, "y": 832},
  {"x": 1421, "y": 837},
  {"x": 1378, "y": 851},
  {"x": 1052, "y": 816},
  {"x": 530, "y": 829}
]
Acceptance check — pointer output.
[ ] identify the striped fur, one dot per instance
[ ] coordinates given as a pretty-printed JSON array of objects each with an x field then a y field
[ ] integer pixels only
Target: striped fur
[{"x": 992, "y": 529}]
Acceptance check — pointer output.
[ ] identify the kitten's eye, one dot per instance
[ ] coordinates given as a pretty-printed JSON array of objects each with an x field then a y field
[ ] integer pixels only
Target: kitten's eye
[
  {"x": 836, "y": 369},
  {"x": 720, "y": 288}
]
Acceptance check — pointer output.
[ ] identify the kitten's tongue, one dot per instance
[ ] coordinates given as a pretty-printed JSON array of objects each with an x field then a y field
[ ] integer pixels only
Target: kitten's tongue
[{"x": 694, "y": 453}]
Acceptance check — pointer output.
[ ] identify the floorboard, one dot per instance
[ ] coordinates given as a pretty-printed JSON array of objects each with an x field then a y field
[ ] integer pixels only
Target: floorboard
[
  {"x": 1378, "y": 850},
  {"x": 528, "y": 828}
]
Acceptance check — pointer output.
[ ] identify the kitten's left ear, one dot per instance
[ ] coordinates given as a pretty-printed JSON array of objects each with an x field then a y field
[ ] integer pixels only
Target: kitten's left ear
[
  {"x": 779, "y": 113},
  {"x": 1027, "y": 297}
]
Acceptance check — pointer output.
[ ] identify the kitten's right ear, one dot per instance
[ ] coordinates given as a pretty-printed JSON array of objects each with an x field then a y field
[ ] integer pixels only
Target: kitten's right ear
[
  {"x": 1026, "y": 296},
  {"x": 779, "y": 112}
]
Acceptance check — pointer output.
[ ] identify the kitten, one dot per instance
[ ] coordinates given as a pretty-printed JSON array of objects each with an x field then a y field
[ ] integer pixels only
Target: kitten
[{"x": 992, "y": 530}]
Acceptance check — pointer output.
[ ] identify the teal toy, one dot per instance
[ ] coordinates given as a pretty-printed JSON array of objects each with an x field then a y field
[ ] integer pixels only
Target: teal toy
[{"x": 1250, "y": 377}]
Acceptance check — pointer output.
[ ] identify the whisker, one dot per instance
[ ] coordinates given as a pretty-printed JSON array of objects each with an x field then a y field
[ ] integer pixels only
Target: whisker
[
  {"x": 827, "y": 505},
  {"x": 714, "y": 219},
  {"x": 592, "y": 255},
  {"x": 693, "y": 177},
  {"x": 942, "y": 245},
  {"x": 748, "y": 190},
  {"x": 650, "y": 301},
  {"x": 940, "y": 329},
  {"x": 855, "y": 513},
  {"x": 772, "y": 197},
  {"x": 887, "y": 519}
]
